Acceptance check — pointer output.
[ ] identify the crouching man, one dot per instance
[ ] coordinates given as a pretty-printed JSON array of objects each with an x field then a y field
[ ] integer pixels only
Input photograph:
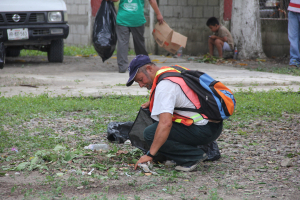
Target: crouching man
[{"x": 177, "y": 133}]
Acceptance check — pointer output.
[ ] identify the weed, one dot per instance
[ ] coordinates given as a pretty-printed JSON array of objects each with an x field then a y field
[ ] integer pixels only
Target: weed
[
  {"x": 13, "y": 188},
  {"x": 146, "y": 186},
  {"x": 120, "y": 84},
  {"x": 237, "y": 186},
  {"x": 137, "y": 197},
  {"x": 280, "y": 70},
  {"x": 132, "y": 183},
  {"x": 213, "y": 195},
  {"x": 207, "y": 58}
]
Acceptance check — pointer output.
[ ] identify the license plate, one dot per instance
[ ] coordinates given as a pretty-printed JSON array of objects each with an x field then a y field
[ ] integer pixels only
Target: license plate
[{"x": 17, "y": 34}]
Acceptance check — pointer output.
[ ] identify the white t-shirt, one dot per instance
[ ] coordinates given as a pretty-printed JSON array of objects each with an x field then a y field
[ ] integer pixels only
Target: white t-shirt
[
  {"x": 169, "y": 95},
  {"x": 294, "y": 6}
]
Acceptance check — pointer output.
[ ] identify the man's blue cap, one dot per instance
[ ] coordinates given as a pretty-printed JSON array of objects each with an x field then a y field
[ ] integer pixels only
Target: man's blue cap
[{"x": 135, "y": 64}]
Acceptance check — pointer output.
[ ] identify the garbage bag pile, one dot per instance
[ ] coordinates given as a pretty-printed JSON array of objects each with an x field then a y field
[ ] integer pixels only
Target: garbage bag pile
[
  {"x": 104, "y": 30},
  {"x": 118, "y": 131}
]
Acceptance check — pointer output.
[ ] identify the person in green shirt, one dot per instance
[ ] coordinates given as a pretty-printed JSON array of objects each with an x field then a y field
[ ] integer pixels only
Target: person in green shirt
[{"x": 130, "y": 18}]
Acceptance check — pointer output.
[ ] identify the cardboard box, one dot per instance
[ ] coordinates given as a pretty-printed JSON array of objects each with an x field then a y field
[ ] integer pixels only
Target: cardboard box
[{"x": 167, "y": 38}]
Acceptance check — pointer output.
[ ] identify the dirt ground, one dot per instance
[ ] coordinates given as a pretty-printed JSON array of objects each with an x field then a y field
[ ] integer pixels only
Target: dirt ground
[{"x": 259, "y": 161}]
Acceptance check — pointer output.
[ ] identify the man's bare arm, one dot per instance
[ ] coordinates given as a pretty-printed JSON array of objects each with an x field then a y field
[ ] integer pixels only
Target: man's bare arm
[
  {"x": 224, "y": 39},
  {"x": 162, "y": 132},
  {"x": 159, "y": 16},
  {"x": 161, "y": 135}
]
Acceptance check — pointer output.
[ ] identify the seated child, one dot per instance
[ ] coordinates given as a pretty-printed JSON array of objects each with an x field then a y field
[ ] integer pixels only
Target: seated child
[{"x": 222, "y": 38}]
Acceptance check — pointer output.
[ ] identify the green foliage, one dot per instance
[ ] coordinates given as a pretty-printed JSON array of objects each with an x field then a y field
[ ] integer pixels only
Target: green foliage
[
  {"x": 280, "y": 70},
  {"x": 264, "y": 105},
  {"x": 99, "y": 166},
  {"x": 68, "y": 51},
  {"x": 213, "y": 195},
  {"x": 207, "y": 58}
]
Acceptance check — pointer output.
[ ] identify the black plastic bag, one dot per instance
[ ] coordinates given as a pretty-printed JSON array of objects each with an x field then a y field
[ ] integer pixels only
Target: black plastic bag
[
  {"x": 118, "y": 131},
  {"x": 136, "y": 133},
  {"x": 104, "y": 30},
  {"x": 2, "y": 55},
  {"x": 212, "y": 151}
]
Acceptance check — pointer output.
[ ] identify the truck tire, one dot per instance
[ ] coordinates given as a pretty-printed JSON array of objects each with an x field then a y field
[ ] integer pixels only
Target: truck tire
[
  {"x": 13, "y": 52},
  {"x": 2, "y": 55},
  {"x": 2, "y": 61},
  {"x": 56, "y": 51}
]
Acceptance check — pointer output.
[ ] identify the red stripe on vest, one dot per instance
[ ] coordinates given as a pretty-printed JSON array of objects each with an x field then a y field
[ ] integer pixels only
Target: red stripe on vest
[{"x": 294, "y": 5}]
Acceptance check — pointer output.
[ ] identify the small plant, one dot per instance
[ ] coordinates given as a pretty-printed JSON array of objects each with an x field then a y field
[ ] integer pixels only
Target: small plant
[
  {"x": 112, "y": 173},
  {"x": 213, "y": 195},
  {"x": 207, "y": 58},
  {"x": 137, "y": 197},
  {"x": 132, "y": 183},
  {"x": 146, "y": 186}
]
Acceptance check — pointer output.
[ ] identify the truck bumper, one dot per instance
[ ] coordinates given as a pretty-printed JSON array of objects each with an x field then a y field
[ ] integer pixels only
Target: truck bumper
[{"x": 38, "y": 34}]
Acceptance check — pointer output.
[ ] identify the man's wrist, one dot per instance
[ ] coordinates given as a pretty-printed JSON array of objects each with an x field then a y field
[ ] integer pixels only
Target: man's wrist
[{"x": 149, "y": 154}]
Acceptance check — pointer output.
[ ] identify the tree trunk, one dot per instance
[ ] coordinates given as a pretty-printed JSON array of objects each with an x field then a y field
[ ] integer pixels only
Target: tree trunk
[{"x": 246, "y": 29}]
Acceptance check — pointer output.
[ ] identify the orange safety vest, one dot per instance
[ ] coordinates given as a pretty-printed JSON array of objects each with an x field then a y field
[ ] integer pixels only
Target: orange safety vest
[{"x": 191, "y": 95}]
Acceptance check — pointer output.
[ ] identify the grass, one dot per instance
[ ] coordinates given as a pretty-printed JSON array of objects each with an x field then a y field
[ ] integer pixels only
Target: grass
[
  {"x": 29, "y": 123},
  {"x": 19, "y": 109},
  {"x": 68, "y": 51},
  {"x": 84, "y": 51},
  {"x": 279, "y": 70}
]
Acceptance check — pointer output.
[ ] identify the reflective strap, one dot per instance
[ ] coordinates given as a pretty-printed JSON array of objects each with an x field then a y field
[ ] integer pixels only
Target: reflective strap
[
  {"x": 164, "y": 70},
  {"x": 178, "y": 120},
  {"x": 197, "y": 118},
  {"x": 182, "y": 67}
]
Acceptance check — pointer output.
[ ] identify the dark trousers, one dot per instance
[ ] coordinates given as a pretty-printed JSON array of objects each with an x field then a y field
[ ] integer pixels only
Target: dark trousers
[
  {"x": 123, "y": 34},
  {"x": 181, "y": 145}
]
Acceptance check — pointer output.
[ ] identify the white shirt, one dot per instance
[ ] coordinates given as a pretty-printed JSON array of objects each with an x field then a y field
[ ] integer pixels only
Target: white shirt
[
  {"x": 169, "y": 95},
  {"x": 294, "y": 8}
]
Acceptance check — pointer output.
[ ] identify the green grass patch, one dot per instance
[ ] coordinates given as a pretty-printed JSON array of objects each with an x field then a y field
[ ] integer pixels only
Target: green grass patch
[
  {"x": 70, "y": 51},
  {"x": 47, "y": 135},
  {"x": 265, "y": 105},
  {"x": 279, "y": 70},
  {"x": 17, "y": 110}
]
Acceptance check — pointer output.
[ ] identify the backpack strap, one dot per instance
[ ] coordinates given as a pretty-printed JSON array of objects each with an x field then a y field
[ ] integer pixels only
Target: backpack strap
[{"x": 175, "y": 74}]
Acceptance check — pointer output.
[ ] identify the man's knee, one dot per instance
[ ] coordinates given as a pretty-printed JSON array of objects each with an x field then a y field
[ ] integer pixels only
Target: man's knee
[{"x": 219, "y": 42}]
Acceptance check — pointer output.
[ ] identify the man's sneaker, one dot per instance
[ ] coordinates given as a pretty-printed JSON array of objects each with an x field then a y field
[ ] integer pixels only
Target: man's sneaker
[
  {"x": 170, "y": 163},
  {"x": 191, "y": 168}
]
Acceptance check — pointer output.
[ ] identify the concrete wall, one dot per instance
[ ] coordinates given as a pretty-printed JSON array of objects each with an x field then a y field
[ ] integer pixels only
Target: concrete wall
[
  {"x": 189, "y": 17},
  {"x": 80, "y": 22},
  {"x": 275, "y": 37}
]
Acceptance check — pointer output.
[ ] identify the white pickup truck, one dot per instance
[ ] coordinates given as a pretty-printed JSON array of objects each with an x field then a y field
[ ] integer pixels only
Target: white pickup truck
[{"x": 33, "y": 24}]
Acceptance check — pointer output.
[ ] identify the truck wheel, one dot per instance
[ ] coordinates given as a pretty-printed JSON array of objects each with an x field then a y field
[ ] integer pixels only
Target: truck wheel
[
  {"x": 56, "y": 51},
  {"x": 2, "y": 55},
  {"x": 13, "y": 52},
  {"x": 2, "y": 61}
]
